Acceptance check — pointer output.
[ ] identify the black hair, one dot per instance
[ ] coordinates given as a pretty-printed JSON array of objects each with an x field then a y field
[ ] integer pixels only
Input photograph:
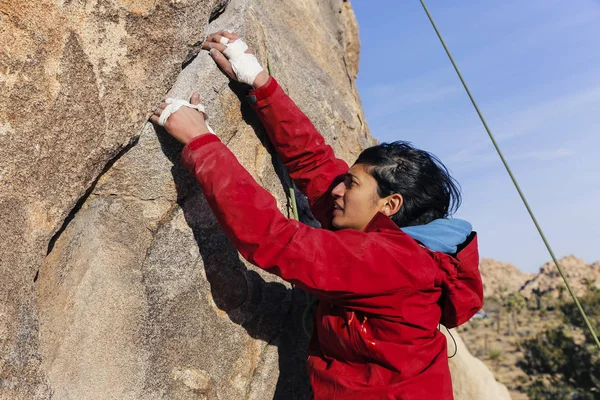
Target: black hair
[{"x": 428, "y": 190}]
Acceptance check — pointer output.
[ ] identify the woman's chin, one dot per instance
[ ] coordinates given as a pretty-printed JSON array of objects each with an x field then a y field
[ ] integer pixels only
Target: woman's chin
[{"x": 336, "y": 222}]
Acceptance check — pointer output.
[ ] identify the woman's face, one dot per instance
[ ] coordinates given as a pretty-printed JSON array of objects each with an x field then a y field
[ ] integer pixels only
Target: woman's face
[{"x": 356, "y": 200}]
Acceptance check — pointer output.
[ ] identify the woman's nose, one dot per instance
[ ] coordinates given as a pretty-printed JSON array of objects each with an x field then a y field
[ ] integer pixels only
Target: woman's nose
[{"x": 338, "y": 191}]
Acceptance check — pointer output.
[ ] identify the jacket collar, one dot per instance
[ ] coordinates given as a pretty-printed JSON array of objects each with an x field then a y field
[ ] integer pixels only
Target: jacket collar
[
  {"x": 381, "y": 222},
  {"x": 467, "y": 252}
]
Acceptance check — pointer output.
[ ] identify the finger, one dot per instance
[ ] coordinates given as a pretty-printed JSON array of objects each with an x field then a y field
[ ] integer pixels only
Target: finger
[
  {"x": 163, "y": 105},
  {"x": 212, "y": 45},
  {"x": 158, "y": 111},
  {"x": 154, "y": 119},
  {"x": 195, "y": 99},
  {"x": 215, "y": 37},
  {"x": 229, "y": 35},
  {"x": 223, "y": 63}
]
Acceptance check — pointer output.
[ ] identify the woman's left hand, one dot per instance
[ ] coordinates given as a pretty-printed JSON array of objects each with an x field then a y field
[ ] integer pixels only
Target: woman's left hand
[
  {"x": 186, "y": 123},
  {"x": 252, "y": 73}
]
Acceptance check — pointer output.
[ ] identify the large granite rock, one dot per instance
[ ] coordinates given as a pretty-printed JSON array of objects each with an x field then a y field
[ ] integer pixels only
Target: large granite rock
[
  {"x": 471, "y": 379},
  {"x": 501, "y": 279},
  {"x": 547, "y": 281},
  {"x": 117, "y": 281}
]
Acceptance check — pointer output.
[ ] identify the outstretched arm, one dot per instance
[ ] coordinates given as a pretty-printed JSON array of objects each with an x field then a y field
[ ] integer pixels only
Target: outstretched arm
[
  {"x": 310, "y": 161},
  {"x": 342, "y": 267}
]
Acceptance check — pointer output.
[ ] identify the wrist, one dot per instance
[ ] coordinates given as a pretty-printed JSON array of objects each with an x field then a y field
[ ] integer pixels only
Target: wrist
[
  {"x": 261, "y": 79},
  {"x": 200, "y": 132}
]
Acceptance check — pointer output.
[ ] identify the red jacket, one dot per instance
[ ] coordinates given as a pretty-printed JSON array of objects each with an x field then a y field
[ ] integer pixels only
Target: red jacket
[{"x": 382, "y": 293}]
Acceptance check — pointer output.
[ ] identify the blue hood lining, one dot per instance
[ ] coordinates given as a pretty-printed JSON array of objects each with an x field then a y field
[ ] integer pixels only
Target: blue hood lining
[{"x": 442, "y": 234}]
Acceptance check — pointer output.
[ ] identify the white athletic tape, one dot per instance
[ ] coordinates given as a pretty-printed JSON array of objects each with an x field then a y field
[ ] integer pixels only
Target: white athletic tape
[
  {"x": 245, "y": 66},
  {"x": 223, "y": 40},
  {"x": 175, "y": 104}
]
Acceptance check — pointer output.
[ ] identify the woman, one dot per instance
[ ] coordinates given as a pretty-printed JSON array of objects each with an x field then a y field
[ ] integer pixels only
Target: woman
[{"x": 387, "y": 268}]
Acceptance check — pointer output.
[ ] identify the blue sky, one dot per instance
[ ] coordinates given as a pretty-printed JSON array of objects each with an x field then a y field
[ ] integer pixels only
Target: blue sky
[{"x": 534, "y": 69}]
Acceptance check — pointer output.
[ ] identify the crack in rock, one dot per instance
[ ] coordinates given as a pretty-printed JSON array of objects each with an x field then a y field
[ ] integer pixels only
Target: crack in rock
[
  {"x": 195, "y": 49},
  {"x": 81, "y": 201},
  {"x": 218, "y": 10}
]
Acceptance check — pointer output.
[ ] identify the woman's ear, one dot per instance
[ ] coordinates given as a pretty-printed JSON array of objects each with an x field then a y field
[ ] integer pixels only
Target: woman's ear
[{"x": 392, "y": 204}]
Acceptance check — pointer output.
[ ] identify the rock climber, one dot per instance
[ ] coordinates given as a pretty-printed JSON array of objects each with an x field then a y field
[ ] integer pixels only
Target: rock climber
[{"x": 388, "y": 265}]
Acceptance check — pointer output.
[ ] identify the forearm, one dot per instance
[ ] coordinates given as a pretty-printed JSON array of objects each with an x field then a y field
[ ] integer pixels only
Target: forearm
[
  {"x": 311, "y": 162},
  {"x": 247, "y": 213}
]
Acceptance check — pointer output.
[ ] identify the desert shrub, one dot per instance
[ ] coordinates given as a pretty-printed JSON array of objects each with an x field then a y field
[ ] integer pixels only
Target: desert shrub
[
  {"x": 591, "y": 305},
  {"x": 494, "y": 354},
  {"x": 561, "y": 367}
]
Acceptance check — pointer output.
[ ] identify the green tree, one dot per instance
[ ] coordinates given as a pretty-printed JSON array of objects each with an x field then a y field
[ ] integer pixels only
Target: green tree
[
  {"x": 591, "y": 305},
  {"x": 561, "y": 292},
  {"x": 502, "y": 291},
  {"x": 538, "y": 293},
  {"x": 560, "y": 366},
  {"x": 514, "y": 305}
]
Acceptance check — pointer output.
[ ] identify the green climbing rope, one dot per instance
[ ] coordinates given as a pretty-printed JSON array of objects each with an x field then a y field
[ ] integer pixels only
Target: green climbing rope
[
  {"x": 514, "y": 180},
  {"x": 291, "y": 194},
  {"x": 293, "y": 204}
]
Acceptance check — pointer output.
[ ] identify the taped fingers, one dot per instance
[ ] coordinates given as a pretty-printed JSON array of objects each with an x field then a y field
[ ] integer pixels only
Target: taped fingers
[
  {"x": 233, "y": 57},
  {"x": 226, "y": 33},
  {"x": 216, "y": 38},
  {"x": 160, "y": 109},
  {"x": 235, "y": 49},
  {"x": 219, "y": 37},
  {"x": 223, "y": 63},
  {"x": 229, "y": 35},
  {"x": 212, "y": 45}
]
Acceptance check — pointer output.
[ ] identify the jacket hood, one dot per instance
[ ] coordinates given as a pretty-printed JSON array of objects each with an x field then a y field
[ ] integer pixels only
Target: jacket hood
[
  {"x": 462, "y": 289},
  {"x": 441, "y": 234}
]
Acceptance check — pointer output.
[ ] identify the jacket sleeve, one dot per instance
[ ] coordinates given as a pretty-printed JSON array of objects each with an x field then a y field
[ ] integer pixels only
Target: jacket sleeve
[
  {"x": 462, "y": 287},
  {"x": 343, "y": 267},
  {"x": 310, "y": 161}
]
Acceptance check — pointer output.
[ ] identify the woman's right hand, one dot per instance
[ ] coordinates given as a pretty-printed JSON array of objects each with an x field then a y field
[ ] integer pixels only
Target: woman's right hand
[{"x": 239, "y": 65}]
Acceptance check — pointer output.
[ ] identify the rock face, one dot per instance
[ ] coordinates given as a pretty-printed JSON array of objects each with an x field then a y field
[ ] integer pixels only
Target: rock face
[
  {"x": 548, "y": 280},
  {"x": 502, "y": 278},
  {"x": 499, "y": 277},
  {"x": 117, "y": 280},
  {"x": 471, "y": 379}
]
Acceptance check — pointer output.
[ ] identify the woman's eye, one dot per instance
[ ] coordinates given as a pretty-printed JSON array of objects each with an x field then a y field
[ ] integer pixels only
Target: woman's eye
[{"x": 348, "y": 181}]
